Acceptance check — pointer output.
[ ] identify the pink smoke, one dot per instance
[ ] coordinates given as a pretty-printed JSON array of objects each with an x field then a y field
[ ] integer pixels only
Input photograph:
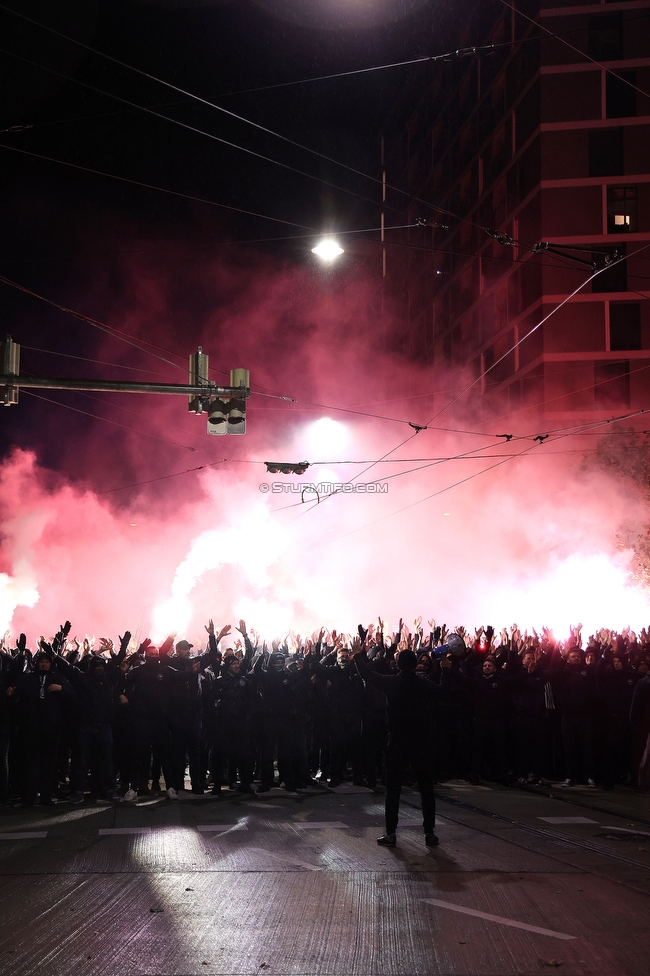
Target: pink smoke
[{"x": 533, "y": 540}]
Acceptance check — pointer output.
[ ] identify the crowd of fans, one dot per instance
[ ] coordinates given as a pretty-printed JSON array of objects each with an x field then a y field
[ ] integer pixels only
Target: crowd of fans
[{"x": 80, "y": 718}]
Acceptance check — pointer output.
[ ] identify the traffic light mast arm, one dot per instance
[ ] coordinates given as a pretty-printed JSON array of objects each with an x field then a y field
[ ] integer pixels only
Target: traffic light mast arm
[{"x": 202, "y": 390}]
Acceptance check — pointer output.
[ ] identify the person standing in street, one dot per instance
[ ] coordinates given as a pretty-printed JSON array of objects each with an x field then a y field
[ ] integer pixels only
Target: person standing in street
[{"x": 411, "y": 712}]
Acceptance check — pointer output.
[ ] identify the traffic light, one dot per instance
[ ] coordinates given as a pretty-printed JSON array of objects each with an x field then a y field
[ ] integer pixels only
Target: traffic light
[
  {"x": 273, "y": 467},
  {"x": 229, "y": 416}
]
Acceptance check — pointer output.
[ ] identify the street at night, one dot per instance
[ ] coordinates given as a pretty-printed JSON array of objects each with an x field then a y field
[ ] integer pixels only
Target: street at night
[
  {"x": 521, "y": 883},
  {"x": 324, "y": 487}
]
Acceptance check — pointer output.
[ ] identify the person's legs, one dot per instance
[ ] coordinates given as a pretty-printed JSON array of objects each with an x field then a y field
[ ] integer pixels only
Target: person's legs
[
  {"x": 423, "y": 767},
  {"x": 394, "y": 771}
]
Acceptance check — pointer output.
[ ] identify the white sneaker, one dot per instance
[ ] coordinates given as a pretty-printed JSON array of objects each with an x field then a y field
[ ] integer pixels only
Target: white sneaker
[
  {"x": 171, "y": 793},
  {"x": 590, "y": 782},
  {"x": 567, "y": 782},
  {"x": 130, "y": 796}
]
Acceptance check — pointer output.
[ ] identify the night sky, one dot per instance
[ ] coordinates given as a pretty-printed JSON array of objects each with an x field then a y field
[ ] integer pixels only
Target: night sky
[{"x": 67, "y": 234}]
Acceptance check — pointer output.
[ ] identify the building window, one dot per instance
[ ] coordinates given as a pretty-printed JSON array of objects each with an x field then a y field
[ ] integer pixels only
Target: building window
[
  {"x": 612, "y": 384},
  {"x": 606, "y": 37},
  {"x": 620, "y": 97},
  {"x": 625, "y": 326},
  {"x": 606, "y": 152},
  {"x": 621, "y": 209}
]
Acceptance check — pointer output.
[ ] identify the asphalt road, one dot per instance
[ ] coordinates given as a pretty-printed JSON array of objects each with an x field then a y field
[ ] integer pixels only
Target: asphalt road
[{"x": 522, "y": 882}]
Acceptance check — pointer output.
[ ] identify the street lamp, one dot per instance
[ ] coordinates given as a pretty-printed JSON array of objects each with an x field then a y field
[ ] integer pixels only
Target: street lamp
[{"x": 327, "y": 249}]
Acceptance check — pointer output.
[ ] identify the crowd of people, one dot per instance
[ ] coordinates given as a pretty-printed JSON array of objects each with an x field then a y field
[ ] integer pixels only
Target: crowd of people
[{"x": 113, "y": 721}]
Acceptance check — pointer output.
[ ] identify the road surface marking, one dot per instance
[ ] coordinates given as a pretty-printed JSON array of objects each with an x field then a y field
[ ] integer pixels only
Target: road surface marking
[
  {"x": 567, "y": 820},
  {"x": 25, "y": 835},
  {"x": 497, "y": 918}
]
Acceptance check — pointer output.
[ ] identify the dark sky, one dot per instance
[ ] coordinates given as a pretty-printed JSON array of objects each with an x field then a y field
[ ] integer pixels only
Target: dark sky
[{"x": 64, "y": 228}]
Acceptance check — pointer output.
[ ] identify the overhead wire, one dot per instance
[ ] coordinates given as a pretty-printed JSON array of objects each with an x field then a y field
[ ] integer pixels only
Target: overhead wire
[
  {"x": 149, "y": 186},
  {"x": 234, "y": 115},
  {"x": 201, "y": 132},
  {"x": 162, "y": 477},
  {"x": 557, "y": 308},
  {"x": 86, "y": 359},
  {"x": 106, "y": 420},
  {"x": 459, "y": 52},
  {"x": 238, "y": 117},
  {"x": 109, "y": 330},
  {"x": 463, "y": 481},
  {"x": 478, "y": 379},
  {"x": 582, "y": 54}
]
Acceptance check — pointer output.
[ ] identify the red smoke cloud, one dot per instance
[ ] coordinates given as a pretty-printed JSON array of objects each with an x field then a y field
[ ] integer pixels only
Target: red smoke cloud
[{"x": 533, "y": 540}]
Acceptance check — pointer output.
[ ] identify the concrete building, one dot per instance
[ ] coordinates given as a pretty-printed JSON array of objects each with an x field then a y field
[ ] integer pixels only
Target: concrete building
[{"x": 542, "y": 139}]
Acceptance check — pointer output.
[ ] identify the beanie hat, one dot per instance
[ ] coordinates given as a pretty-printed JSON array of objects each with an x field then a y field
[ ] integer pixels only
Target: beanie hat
[{"x": 406, "y": 660}]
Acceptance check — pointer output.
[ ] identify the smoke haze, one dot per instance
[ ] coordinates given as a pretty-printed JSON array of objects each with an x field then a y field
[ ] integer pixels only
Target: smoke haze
[{"x": 534, "y": 540}]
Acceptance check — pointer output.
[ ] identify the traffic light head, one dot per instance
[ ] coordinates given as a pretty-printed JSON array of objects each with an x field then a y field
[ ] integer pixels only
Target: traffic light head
[{"x": 273, "y": 467}]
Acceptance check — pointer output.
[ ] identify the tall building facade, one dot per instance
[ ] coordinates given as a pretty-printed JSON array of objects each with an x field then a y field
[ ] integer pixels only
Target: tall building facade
[{"x": 538, "y": 147}]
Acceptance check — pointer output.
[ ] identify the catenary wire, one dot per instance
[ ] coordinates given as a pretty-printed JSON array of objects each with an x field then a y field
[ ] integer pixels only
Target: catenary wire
[
  {"x": 150, "y": 186},
  {"x": 109, "y": 330},
  {"x": 202, "y": 132},
  {"x": 231, "y": 114},
  {"x": 105, "y": 420},
  {"x": 582, "y": 54},
  {"x": 463, "y": 481},
  {"x": 85, "y": 359},
  {"x": 424, "y": 426}
]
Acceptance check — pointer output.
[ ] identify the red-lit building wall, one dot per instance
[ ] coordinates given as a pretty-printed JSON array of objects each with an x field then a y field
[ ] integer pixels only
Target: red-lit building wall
[{"x": 540, "y": 143}]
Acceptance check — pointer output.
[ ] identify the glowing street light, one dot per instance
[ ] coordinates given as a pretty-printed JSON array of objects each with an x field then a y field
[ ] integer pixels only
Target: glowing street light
[{"x": 327, "y": 249}]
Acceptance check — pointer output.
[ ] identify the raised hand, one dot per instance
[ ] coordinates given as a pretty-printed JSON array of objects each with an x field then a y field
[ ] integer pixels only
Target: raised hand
[
  {"x": 242, "y": 628},
  {"x": 223, "y": 632},
  {"x": 124, "y": 641}
]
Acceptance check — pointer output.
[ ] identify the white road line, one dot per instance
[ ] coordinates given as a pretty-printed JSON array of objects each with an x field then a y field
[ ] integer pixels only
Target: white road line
[
  {"x": 25, "y": 835},
  {"x": 322, "y": 825},
  {"x": 567, "y": 820},
  {"x": 627, "y": 830},
  {"x": 220, "y": 828},
  {"x": 497, "y": 918},
  {"x": 124, "y": 830}
]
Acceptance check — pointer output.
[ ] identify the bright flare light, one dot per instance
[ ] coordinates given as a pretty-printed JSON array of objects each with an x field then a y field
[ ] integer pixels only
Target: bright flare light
[
  {"x": 592, "y": 590},
  {"x": 326, "y": 436},
  {"x": 327, "y": 249}
]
